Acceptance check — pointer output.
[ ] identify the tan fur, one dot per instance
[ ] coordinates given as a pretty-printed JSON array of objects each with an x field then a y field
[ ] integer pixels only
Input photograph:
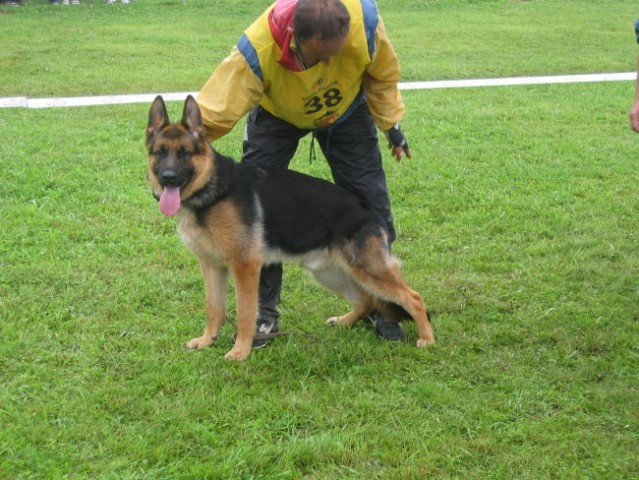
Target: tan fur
[
  {"x": 225, "y": 243},
  {"x": 368, "y": 276}
]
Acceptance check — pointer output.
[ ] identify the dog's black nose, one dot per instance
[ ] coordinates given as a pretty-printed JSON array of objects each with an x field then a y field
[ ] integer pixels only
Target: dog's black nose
[{"x": 169, "y": 177}]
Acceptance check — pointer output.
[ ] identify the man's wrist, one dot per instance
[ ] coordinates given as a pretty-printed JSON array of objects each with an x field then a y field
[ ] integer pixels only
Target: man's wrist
[{"x": 395, "y": 136}]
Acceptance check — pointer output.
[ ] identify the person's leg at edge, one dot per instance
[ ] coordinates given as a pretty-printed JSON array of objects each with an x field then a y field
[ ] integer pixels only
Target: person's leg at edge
[
  {"x": 269, "y": 142},
  {"x": 352, "y": 151}
]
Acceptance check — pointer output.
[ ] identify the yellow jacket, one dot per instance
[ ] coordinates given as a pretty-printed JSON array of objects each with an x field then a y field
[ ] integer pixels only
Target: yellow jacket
[{"x": 309, "y": 99}]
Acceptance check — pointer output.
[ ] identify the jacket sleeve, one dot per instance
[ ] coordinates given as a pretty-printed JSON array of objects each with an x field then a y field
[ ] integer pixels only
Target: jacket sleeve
[
  {"x": 380, "y": 82},
  {"x": 231, "y": 91}
]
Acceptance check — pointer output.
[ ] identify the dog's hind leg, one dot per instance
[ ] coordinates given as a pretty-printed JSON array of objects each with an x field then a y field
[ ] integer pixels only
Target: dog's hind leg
[
  {"x": 389, "y": 286},
  {"x": 377, "y": 272},
  {"x": 247, "y": 278},
  {"x": 359, "y": 311},
  {"x": 215, "y": 283},
  {"x": 337, "y": 281},
  {"x": 410, "y": 302}
]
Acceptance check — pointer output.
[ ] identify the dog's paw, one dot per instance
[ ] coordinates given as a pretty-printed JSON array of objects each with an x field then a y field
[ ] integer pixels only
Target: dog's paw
[
  {"x": 423, "y": 342},
  {"x": 332, "y": 321},
  {"x": 200, "y": 342},
  {"x": 237, "y": 354}
]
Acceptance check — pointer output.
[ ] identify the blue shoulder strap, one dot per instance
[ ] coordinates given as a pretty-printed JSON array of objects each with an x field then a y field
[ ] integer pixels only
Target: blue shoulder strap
[
  {"x": 247, "y": 49},
  {"x": 637, "y": 29},
  {"x": 371, "y": 19}
]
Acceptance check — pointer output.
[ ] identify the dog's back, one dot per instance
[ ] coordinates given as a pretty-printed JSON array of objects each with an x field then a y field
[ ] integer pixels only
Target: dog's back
[{"x": 303, "y": 213}]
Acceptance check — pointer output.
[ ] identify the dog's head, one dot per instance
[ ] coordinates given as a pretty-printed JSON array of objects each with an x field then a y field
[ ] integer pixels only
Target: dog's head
[{"x": 179, "y": 162}]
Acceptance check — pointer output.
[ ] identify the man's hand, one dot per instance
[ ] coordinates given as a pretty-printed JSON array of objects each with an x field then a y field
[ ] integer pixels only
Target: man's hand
[
  {"x": 397, "y": 142},
  {"x": 634, "y": 116}
]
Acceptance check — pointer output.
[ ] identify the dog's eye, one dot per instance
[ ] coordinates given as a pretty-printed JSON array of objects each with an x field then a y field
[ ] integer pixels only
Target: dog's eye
[
  {"x": 183, "y": 152},
  {"x": 161, "y": 151}
]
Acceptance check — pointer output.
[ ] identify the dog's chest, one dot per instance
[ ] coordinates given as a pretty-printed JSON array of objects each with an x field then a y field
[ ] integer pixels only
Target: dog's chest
[{"x": 218, "y": 237}]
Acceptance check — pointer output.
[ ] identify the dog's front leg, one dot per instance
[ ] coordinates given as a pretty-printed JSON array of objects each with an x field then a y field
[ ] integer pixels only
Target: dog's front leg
[
  {"x": 216, "y": 286},
  {"x": 247, "y": 279}
]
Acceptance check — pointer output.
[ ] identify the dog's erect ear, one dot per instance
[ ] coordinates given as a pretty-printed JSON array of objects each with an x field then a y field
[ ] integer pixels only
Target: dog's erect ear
[
  {"x": 158, "y": 118},
  {"x": 192, "y": 118}
]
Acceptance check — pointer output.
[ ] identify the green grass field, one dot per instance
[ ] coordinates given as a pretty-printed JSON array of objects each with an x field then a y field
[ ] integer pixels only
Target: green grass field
[{"x": 517, "y": 218}]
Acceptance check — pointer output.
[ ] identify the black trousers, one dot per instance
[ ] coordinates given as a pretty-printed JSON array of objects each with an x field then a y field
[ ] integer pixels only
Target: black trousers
[{"x": 352, "y": 151}]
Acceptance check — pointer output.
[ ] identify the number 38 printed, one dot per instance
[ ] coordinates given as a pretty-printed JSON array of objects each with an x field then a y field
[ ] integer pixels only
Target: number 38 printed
[{"x": 330, "y": 98}]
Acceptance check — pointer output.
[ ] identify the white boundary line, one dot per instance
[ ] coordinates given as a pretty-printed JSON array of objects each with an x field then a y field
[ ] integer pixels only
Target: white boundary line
[
  {"x": 25, "y": 102},
  {"x": 500, "y": 82}
]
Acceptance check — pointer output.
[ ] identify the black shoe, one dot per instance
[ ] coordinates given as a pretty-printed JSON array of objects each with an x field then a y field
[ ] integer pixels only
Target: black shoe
[
  {"x": 265, "y": 328},
  {"x": 385, "y": 328}
]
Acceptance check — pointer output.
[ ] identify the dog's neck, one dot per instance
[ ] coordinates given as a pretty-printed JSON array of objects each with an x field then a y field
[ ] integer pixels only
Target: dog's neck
[{"x": 217, "y": 185}]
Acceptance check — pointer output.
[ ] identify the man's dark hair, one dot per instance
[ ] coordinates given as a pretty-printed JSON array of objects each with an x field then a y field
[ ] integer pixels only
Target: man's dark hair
[{"x": 326, "y": 19}]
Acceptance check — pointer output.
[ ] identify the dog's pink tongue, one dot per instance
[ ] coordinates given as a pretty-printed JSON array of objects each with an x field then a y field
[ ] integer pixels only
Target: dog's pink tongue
[{"x": 170, "y": 201}]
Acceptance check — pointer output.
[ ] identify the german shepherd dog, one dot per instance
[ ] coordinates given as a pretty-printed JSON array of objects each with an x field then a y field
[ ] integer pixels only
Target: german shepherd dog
[{"x": 237, "y": 217}]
